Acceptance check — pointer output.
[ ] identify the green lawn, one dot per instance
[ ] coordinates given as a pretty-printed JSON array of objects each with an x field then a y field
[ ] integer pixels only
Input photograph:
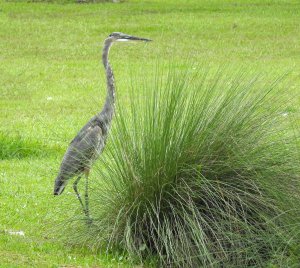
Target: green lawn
[{"x": 52, "y": 82}]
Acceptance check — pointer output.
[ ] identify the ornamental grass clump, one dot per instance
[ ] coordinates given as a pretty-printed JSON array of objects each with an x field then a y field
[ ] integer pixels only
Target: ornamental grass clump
[{"x": 201, "y": 170}]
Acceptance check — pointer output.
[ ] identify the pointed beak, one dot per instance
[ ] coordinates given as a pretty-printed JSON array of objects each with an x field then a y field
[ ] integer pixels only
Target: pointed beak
[{"x": 133, "y": 38}]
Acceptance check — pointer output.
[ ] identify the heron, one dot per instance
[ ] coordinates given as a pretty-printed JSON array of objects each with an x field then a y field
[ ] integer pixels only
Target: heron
[{"x": 90, "y": 141}]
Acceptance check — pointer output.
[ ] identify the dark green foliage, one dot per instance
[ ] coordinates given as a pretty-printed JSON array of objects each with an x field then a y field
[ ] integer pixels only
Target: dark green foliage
[
  {"x": 201, "y": 170},
  {"x": 19, "y": 147}
]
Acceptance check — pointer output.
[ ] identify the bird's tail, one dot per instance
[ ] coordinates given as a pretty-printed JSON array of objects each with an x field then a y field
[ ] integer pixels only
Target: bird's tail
[{"x": 59, "y": 185}]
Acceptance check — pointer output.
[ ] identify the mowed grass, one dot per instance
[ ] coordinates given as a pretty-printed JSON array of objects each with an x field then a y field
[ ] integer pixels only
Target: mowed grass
[{"x": 52, "y": 82}]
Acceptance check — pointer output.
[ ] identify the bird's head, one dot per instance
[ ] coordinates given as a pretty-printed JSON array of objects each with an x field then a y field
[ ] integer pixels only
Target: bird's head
[{"x": 121, "y": 37}]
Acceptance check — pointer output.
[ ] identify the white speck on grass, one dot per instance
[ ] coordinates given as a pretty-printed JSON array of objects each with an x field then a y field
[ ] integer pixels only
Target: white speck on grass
[
  {"x": 49, "y": 98},
  {"x": 285, "y": 114},
  {"x": 20, "y": 233}
]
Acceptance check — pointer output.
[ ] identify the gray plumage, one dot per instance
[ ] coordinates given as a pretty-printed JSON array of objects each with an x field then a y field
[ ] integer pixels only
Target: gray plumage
[
  {"x": 89, "y": 143},
  {"x": 82, "y": 152}
]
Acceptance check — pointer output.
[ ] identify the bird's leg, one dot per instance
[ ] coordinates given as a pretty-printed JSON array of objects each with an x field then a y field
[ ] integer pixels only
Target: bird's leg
[
  {"x": 77, "y": 194},
  {"x": 86, "y": 196}
]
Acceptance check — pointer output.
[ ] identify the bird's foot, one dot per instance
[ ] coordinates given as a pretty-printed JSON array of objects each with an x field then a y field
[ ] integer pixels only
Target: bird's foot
[{"x": 89, "y": 220}]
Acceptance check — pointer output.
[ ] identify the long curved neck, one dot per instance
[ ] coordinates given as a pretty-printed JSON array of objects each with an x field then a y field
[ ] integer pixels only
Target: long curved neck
[{"x": 109, "y": 106}]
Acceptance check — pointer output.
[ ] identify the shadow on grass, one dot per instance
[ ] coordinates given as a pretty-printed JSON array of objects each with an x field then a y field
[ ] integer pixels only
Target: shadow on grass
[{"x": 18, "y": 147}]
